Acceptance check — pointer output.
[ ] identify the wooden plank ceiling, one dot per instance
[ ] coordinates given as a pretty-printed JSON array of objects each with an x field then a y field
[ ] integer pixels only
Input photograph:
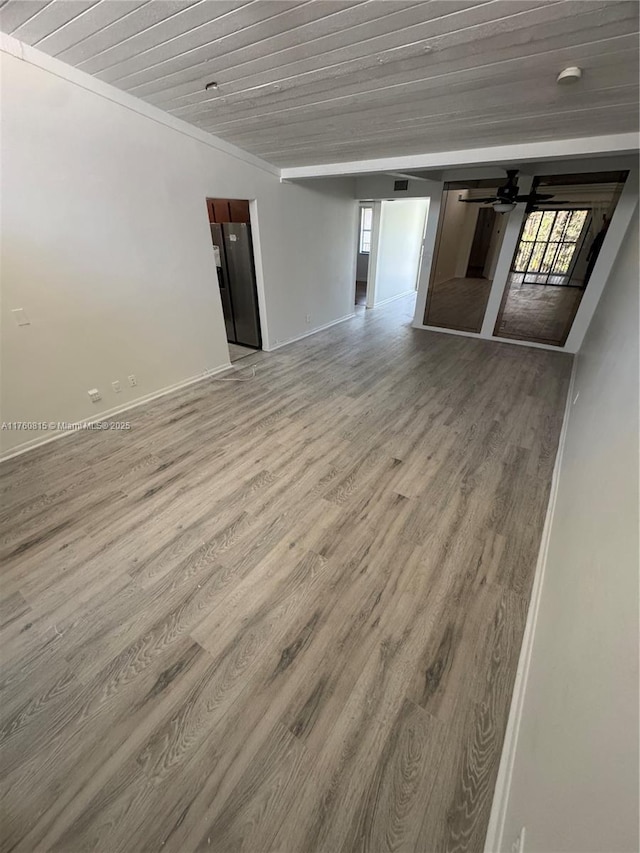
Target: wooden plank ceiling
[{"x": 304, "y": 82}]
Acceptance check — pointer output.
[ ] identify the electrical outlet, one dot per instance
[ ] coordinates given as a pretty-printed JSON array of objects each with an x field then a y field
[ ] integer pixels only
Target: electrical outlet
[
  {"x": 518, "y": 844},
  {"x": 116, "y": 386},
  {"x": 132, "y": 381},
  {"x": 95, "y": 395}
]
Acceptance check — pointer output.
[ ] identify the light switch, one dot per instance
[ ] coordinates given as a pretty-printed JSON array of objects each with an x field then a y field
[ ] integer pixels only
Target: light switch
[{"x": 20, "y": 316}]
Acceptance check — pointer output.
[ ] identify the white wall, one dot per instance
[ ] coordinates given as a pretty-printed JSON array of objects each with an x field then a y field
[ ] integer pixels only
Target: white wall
[
  {"x": 309, "y": 255},
  {"x": 575, "y": 780},
  {"x": 449, "y": 250},
  {"x": 400, "y": 242},
  {"x": 495, "y": 244},
  {"x": 463, "y": 240},
  {"x": 377, "y": 187},
  {"x": 106, "y": 245}
]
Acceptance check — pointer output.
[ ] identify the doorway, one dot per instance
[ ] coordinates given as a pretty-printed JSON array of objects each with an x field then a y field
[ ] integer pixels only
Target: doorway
[
  {"x": 468, "y": 244},
  {"x": 230, "y": 225},
  {"x": 365, "y": 232},
  {"x": 397, "y": 249},
  {"x": 485, "y": 224}
]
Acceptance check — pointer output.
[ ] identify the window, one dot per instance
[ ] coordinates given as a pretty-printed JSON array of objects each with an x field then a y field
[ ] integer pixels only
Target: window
[
  {"x": 548, "y": 245},
  {"x": 366, "y": 220}
]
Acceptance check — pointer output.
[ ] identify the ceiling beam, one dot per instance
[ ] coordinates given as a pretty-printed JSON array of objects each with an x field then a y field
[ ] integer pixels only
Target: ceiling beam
[
  {"x": 558, "y": 149},
  {"x": 408, "y": 176}
]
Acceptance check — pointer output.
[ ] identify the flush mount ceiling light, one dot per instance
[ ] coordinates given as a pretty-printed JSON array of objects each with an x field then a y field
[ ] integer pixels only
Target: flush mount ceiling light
[
  {"x": 211, "y": 85},
  {"x": 569, "y": 75}
]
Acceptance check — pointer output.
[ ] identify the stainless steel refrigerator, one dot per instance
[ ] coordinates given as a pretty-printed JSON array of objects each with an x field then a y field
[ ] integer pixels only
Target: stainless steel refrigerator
[{"x": 233, "y": 251}]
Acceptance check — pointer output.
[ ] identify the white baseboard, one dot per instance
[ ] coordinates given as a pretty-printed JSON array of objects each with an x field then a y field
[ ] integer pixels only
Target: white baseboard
[
  {"x": 109, "y": 413},
  {"x": 495, "y": 831},
  {"x": 393, "y": 298},
  {"x": 281, "y": 344}
]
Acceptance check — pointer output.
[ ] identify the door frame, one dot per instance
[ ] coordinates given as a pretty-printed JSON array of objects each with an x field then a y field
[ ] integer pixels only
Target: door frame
[
  {"x": 258, "y": 267},
  {"x": 375, "y": 245},
  {"x": 373, "y": 254},
  {"x": 373, "y": 251},
  {"x": 257, "y": 264}
]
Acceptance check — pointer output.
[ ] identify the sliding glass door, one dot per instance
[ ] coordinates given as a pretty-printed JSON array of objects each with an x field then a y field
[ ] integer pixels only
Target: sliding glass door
[{"x": 547, "y": 249}]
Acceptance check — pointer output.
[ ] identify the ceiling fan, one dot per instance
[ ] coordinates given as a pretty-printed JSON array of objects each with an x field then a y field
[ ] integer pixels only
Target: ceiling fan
[{"x": 508, "y": 196}]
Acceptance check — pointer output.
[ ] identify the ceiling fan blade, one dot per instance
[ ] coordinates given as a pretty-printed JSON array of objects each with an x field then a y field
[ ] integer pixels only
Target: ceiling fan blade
[
  {"x": 479, "y": 200},
  {"x": 535, "y": 197},
  {"x": 541, "y": 205}
]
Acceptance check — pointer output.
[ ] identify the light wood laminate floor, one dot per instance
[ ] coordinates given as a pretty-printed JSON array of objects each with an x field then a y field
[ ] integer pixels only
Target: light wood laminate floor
[{"x": 281, "y": 614}]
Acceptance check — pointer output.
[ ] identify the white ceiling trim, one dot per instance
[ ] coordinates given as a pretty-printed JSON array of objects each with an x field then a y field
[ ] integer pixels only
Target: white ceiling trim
[
  {"x": 557, "y": 149},
  {"x": 14, "y": 47}
]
